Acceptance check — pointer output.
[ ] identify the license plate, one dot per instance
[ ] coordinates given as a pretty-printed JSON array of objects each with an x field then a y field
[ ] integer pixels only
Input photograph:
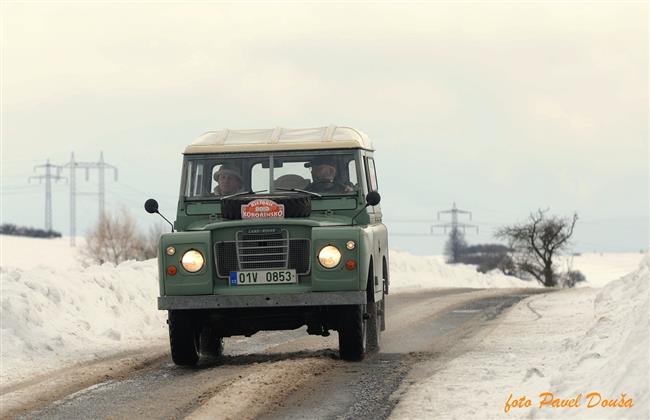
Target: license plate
[{"x": 244, "y": 278}]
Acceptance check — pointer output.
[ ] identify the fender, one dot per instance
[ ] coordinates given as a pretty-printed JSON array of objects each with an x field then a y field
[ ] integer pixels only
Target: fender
[{"x": 375, "y": 242}]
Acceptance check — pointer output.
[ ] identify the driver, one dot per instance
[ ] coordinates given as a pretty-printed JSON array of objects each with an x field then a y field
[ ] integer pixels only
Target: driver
[
  {"x": 323, "y": 172},
  {"x": 228, "y": 181}
]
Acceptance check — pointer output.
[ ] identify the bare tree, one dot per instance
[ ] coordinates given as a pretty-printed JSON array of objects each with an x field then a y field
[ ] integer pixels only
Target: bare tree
[
  {"x": 115, "y": 238},
  {"x": 152, "y": 240},
  {"x": 455, "y": 245},
  {"x": 537, "y": 242}
]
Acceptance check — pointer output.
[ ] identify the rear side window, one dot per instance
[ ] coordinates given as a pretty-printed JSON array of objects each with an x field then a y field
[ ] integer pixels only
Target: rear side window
[{"x": 372, "y": 175}]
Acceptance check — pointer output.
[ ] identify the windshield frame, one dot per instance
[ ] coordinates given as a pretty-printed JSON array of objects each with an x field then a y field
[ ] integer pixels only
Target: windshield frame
[{"x": 356, "y": 154}]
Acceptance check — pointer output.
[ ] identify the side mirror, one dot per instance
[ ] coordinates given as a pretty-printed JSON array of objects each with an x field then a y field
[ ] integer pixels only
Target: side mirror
[
  {"x": 373, "y": 198},
  {"x": 151, "y": 206}
]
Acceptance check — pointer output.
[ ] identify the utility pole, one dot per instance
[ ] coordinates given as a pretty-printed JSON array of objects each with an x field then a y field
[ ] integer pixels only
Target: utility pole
[
  {"x": 101, "y": 166},
  {"x": 48, "y": 177},
  {"x": 454, "y": 225},
  {"x": 73, "y": 203}
]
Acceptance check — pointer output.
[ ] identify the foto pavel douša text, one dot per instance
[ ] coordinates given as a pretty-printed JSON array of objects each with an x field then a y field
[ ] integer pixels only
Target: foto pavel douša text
[{"x": 548, "y": 400}]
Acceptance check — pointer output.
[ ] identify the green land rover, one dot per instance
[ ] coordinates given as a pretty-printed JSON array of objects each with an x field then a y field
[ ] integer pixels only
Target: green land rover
[{"x": 275, "y": 229}]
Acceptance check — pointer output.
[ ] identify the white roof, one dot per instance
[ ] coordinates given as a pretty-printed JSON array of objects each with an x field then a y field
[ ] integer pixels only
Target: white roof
[{"x": 280, "y": 138}]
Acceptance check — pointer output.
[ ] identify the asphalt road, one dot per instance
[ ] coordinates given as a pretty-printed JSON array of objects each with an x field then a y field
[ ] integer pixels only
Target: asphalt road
[{"x": 292, "y": 375}]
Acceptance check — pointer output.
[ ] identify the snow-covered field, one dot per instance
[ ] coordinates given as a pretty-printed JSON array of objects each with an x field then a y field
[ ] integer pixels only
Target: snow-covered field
[
  {"x": 411, "y": 271},
  {"x": 56, "y": 311}
]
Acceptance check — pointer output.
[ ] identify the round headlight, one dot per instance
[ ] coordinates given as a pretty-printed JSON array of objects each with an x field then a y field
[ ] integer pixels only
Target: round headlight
[
  {"x": 329, "y": 256},
  {"x": 192, "y": 261}
]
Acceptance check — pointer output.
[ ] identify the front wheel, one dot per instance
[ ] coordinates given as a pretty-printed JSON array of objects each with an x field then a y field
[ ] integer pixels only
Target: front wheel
[
  {"x": 211, "y": 343},
  {"x": 374, "y": 325},
  {"x": 352, "y": 333},
  {"x": 183, "y": 338}
]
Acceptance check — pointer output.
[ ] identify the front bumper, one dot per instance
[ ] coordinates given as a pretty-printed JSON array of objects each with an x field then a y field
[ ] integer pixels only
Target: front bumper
[{"x": 262, "y": 301}]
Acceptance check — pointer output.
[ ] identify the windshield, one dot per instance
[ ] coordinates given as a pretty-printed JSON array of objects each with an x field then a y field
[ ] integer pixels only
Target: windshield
[{"x": 328, "y": 173}]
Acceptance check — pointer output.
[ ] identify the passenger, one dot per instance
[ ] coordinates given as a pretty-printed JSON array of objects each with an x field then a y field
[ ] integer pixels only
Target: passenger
[
  {"x": 228, "y": 181},
  {"x": 323, "y": 173}
]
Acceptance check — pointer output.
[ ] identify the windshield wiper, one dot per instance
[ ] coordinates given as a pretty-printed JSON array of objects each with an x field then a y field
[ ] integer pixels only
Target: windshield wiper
[
  {"x": 241, "y": 193},
  {"x": 299, "y": 190}
]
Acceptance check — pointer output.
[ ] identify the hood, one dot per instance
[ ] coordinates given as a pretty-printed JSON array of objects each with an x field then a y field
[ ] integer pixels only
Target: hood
[{"x": 315, "y": 220}]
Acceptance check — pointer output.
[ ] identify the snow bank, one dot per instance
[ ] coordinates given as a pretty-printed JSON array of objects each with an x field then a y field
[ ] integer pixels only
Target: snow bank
[
  {"x": 52, "y": 317},
  {"x": 411, "y": 271},
  {"x": 570, "y": 343},
  {"x": 613, "y": 356}
]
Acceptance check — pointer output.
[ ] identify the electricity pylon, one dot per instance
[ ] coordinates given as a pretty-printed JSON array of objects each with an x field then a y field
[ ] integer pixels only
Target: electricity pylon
[
  {"x": 454, "y": 225},
  {"x": 73, "y": 165},
  {"x": 48, "y": 177}
]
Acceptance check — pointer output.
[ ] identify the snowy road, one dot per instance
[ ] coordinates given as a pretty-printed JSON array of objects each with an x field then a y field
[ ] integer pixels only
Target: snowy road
[{"x": 284, "y": 374}]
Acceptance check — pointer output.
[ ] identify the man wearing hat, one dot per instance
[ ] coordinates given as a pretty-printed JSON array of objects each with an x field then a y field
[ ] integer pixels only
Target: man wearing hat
[
  {"x": 228, "y": 180},
  {"x": 323, "y": 172}
]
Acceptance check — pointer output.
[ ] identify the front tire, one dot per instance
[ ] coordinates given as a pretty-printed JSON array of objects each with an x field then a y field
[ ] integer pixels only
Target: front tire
[
  {"x": 373, "y": 326},
  {"x": 352, "y": 333},
  {"x": 183, "y": 338},
  {"x": 211, "y": 344},
  {"x": 383, "y": 313}
]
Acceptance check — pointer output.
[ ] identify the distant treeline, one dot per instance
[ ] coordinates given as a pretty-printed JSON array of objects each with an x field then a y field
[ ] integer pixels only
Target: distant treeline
[
  {"x": 10, "y": 229},
  {"x": 487, "y": 257}
]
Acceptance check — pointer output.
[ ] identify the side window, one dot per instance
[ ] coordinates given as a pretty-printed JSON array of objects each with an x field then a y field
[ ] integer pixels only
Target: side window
[
  {"x": 188, "y": 179},
  {"x": 198, "y": 180},
  {"x": 372, "y": 175},
  {"x": 352, "y": 173}
]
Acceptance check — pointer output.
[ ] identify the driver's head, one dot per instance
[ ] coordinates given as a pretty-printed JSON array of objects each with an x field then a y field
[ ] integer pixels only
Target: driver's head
[
  {"x": 323, "y": 169},
  {"x": 229, "y": 180}
]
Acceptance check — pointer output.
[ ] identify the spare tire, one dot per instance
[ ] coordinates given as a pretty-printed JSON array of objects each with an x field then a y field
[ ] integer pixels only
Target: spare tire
[{"x": 295, "y": 205}]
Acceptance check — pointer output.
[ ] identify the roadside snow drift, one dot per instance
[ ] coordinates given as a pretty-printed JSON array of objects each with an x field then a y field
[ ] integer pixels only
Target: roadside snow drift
[
  {"x": 57, "y": 314},
  {"x": 613, "y": 356},
  {"x": 589, "y": 345}
]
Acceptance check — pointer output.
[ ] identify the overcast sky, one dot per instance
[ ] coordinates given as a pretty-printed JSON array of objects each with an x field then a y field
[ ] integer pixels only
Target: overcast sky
[{"x": 502, "y": 108}]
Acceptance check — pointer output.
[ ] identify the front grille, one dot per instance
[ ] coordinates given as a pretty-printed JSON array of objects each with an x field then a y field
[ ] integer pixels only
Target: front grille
[{"x": 262, "y": 249}]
